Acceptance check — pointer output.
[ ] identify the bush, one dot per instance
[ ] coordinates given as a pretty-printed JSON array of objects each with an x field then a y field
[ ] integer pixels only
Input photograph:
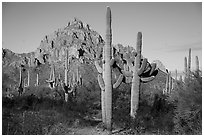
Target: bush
[{"x": 188, "y": 113}]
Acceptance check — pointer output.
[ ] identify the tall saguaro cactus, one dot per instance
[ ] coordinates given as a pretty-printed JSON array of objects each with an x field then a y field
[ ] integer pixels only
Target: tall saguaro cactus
[
  {"x": 167, "y": 83},
  {"x": 66, "y": 67},
  {"x": 142, "y": 72},
  {"x": 185, "y": 67},
  {"x": 107, "y": 73},
  {"x": 176, "y": 75},
  {"x": 170, "y": 83},
  {"x": 189, "y": 63},
  {"x": 52, "y": 80},
  {"x": 136, "y": 79},
  {"x": 197, "y": 64},
  {"x": 69, "y": 88},
  {"x": 28, "y": 82},
  {"x": 20, "y": 88},
  {"x": 37, "y": 80}
]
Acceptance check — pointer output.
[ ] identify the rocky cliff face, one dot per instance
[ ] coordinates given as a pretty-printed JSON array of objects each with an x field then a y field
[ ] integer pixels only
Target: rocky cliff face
[{"x": 80, "y": 40}]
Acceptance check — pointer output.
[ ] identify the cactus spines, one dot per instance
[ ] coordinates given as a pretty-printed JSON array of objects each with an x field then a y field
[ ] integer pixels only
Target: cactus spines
[
  {"x": 136, "y": 79},
  {"x": 107, "y": 73}
]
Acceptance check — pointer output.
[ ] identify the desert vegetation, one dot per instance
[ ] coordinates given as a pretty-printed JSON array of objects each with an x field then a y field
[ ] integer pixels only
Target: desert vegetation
[{"x": 88, "y": 86}]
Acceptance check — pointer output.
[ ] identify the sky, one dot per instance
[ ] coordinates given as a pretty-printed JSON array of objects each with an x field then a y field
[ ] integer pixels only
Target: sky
[{"x": 169, "y": 29}]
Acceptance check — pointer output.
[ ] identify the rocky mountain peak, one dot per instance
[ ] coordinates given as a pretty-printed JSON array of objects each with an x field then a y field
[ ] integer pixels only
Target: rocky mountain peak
[{"x": 77, "y": 37}]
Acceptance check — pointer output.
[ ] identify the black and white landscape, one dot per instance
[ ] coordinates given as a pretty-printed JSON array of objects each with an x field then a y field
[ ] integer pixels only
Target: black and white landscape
[{"x": 101, "y": 68}]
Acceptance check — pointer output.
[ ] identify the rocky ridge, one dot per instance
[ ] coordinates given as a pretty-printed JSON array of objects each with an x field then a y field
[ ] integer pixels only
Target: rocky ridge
[{"x": 83, "y": 44}]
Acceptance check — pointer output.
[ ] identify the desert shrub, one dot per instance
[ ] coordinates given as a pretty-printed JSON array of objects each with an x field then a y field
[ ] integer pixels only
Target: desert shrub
[
  {"x": 121, "y": 105},
  {"x": 31, "y": 122},
  {"x": 188, "y": 112},
  {"x": 87, "y": 98},
  {"x": 154, "y": 115}
]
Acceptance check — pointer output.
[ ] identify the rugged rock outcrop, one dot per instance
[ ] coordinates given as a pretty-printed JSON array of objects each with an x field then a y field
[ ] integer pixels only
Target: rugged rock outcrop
[{"x": 83, "y": 45}]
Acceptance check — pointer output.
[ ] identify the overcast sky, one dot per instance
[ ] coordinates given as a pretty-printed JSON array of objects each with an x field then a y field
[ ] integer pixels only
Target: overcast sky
[{"x": 169, "y": 29}]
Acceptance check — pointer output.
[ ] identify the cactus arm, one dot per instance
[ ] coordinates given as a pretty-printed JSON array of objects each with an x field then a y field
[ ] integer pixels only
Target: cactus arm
[
  {"x": 98, "y": 67},
  {"x": 142, "y": 68},
  {"x": 118, "y": 82},
  {"x": 127, "y": 73},
  {"x": 147, "y": 68},
  {"x": 153, "y": 65},
  {"x": 101, "y": 82},
  {"x": 49, "y": 80},
  {"x": 112, "y": 61},
  {"x": 147, "y": 79}
]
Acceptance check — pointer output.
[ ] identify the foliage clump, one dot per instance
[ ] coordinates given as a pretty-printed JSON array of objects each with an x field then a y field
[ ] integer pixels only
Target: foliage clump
[{"x": 188, "y": 112}]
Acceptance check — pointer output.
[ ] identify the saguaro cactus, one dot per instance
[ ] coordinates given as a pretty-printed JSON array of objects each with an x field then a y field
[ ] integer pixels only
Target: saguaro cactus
[
  {"x": 176, "y": 75},
  {"x": 142, "y": 72},
  {"x": 108, "y": 73},
  {"x": 167, "y": 83},
  {"x": 69, "y": 88},
  {"x": 197, "y": 64},
  {"x": 28, "y": 78},
  {"x": 136, "y": 79},
  {"x": 66, "y": 67},
  {"x": 189, "y": 63},
  {"x": 52, "y": 80},
  {"x": 105, "y": 75},
  {"x": 37, "y": 80},
  {"x": 170, "y": 83},
  {"x": 20, "y": 88},
  {"x": 185, "y": 67}
]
